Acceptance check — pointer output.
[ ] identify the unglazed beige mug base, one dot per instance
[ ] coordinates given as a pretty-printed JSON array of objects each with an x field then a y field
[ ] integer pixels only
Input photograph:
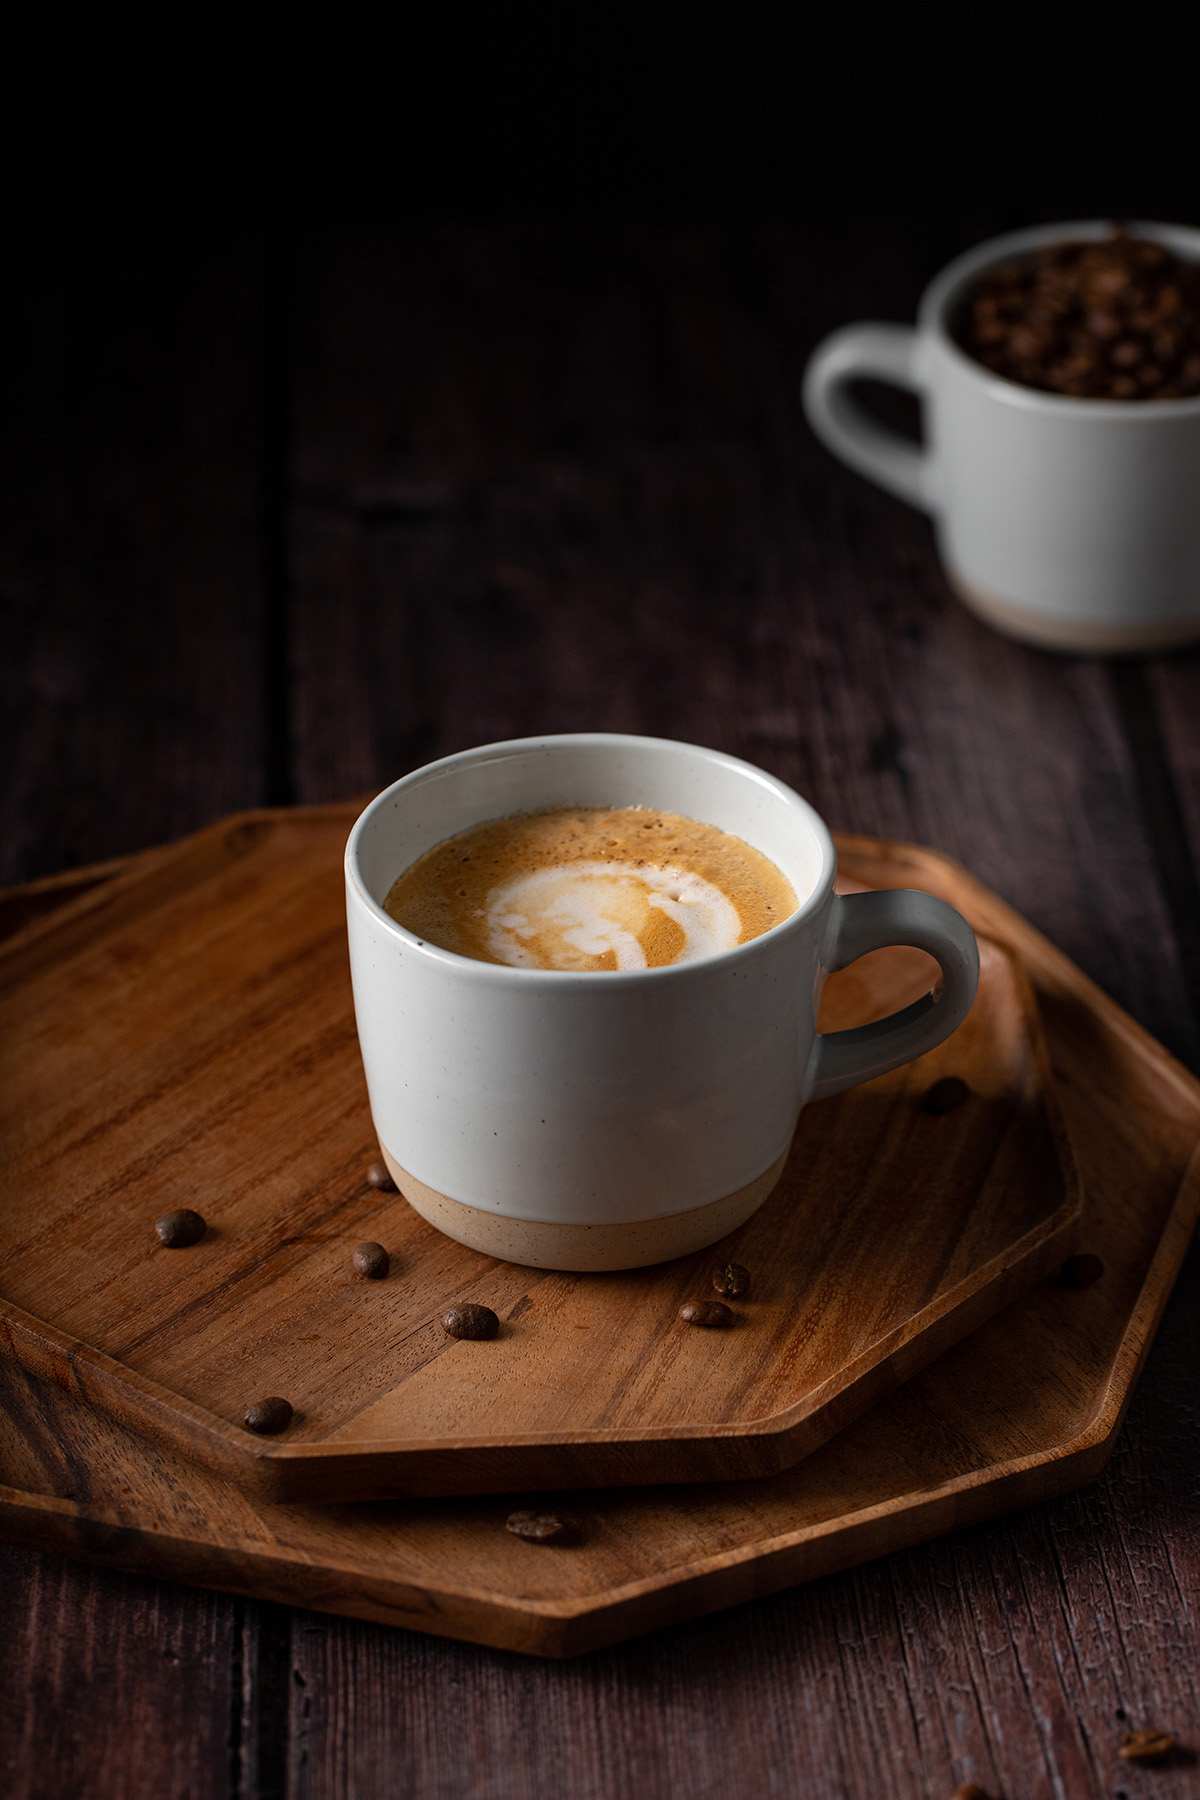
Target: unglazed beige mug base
[
  {"x": 1071, "y": 635},
  {"x": 588, "y": 1248}
]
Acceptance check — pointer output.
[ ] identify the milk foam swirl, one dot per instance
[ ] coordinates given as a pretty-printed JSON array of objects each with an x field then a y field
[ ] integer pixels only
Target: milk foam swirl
[
  {"x": 572, "y": 915},
  {"x": 591, "y": 888}
]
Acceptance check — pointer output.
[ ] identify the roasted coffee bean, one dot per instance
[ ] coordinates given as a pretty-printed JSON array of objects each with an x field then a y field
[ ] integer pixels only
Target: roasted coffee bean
[
  {"x": 945, "y": 1094},
  {"x": 535, "y": 1527},
  {"x": 1114, "y": 320},
  {"x": 179, "y": 1230},
  {"x": 1081, "y": 1271},
  {"x": 731, "y": 1280},
  {"x": 380, "y": 1176},
  {"x": 970, "y": 1790},
  {"x": 705, "y": 1312},
  {"x": 372, "y": 1260},
  {"x": 476, "y": 1322},
  {"x": 1146, "y": 1746},
  {"x": 268, "y": 1416}
]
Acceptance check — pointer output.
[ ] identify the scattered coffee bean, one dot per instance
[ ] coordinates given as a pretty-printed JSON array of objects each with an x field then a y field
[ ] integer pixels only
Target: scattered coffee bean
[
  {"x": 372, "y": 1260},
  {"x": 380, "y": 1176},
  {"x": 179, "y": 1230},
  {"x": 1081, "y": 1271},
  {"x": 1113, "y": 320},
  {"x": 268, "y": 1416},
  {"x": 535, "y": 1527},
  {"x": 1146, "y": 1746},
  {"x": 970, "y": 1790},
  {"x": 732, "y": 1280},
  {"x": 476, "y": 1322},
  {"x": 705, "y": 1312},
  {"x": 945, "y": 1094}
]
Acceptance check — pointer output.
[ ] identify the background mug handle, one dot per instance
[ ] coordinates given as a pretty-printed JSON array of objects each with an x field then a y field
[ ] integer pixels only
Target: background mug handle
[
  {"x": 862, "y": 922},
  {"x": 878, "y": 353}
]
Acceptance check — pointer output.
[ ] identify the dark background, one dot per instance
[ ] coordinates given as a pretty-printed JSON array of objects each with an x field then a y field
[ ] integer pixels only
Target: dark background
[{"x": 371, "y": 390}]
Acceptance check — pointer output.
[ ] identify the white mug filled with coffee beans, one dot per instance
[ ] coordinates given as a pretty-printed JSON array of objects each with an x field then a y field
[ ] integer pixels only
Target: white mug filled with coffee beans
[
  {"x": 1059, "y": 375},
  {"x": 586, "y": 974}
]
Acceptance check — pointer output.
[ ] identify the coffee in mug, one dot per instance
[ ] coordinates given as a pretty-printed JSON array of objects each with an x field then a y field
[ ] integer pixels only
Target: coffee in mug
[{"x": 591, "y": 888}]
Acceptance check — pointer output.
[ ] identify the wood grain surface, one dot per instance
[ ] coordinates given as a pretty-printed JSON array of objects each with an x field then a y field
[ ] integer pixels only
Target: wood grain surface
[
  {"x": 279, "y": 528},
  {"x": 183, "y": 1035},
  {"x": 1025, "y": 1407}
]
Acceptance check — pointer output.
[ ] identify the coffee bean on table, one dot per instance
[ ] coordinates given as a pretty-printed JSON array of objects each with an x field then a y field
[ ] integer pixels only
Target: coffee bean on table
[
  {"x": 945, "y": 1095},
  {"x": 179, "y": 1230},
  {"x": 474, "y": 1322},
  {"x": 1146, "y": 1746},
  {"x": 1081, "y": 1271},
  {"x": 535, "y": 1527},
  {"x": 372, "y": 1261},
  {"x": 380, "y": 1176},
  {"x": 731, "y": 1280},
  {"x": 268, "y": 1416},
  {"x": 970, "y": 1790},
  {"x": 705, "y": 1312}
]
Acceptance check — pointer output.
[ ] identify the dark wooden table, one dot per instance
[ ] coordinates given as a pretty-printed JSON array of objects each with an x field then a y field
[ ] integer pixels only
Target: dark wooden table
[{"x": 283, "y": 519}]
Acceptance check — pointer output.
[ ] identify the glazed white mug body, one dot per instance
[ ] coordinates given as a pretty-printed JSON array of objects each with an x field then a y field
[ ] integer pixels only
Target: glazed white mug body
[
  {"x": 606, "y": 1120},
  {"x": 1070, "y": 523}
]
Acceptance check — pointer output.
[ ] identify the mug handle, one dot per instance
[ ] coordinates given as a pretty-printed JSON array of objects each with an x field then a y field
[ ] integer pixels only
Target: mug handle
[
  {"x": 880, "y": 353},
  {"x": 873, "y": 921}
]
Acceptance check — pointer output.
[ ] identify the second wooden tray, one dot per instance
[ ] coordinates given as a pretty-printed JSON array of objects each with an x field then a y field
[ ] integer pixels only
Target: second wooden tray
[{"x": 183, "y": 1036}]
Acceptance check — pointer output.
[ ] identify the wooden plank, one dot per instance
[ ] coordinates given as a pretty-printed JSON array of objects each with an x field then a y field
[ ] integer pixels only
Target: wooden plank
[
  {"x": 131, "y": 452},
  {"x": 1161, "y": 703},
  {"x": 115, "y": 1684},
  {"x": 131, "y": 456}
]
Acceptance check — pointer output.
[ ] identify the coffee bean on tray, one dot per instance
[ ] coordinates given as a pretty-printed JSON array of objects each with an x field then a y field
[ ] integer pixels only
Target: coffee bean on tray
[
  {"x": 179, "y": 1230},
  {"x": 1146, "y": 1746},
  {"x": 372, "y": 1261},
  {"x": 535, "y": 1527},
  {"x": 945, "y": 1094},
  {"x": 475, "y": 1322},
  {"x": 268, "y": 1416},
  {"x": 705, "y": 1312},
  {"x": 1081, "y": 1271},
  {"x": 380, "y": 1176},
  {"x": 731, "y": 1280}
]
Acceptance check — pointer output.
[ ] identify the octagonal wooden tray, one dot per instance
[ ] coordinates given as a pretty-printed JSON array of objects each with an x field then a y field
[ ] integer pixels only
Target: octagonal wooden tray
[
  {"x": 182, "y": 1035},
  {"x": 1026, "y": 1408}
]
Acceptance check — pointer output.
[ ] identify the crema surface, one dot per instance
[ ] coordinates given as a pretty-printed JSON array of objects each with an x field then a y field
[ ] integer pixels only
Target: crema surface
[{"x": 591, "y": 888}]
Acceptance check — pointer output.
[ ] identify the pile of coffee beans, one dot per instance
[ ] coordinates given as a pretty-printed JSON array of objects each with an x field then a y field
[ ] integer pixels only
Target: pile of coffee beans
[{"x": 1118, "y": 319}]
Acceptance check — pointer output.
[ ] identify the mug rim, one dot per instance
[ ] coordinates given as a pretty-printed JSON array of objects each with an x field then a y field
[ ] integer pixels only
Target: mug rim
[
  {"x": 607, "y": 980},
  {"x": 946, "y": 286}
]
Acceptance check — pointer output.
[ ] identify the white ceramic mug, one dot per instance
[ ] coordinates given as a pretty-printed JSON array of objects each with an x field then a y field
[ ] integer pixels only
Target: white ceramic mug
[
  {"x": 608, "y": 1120},
  {"x": 1074, "y": 524}
]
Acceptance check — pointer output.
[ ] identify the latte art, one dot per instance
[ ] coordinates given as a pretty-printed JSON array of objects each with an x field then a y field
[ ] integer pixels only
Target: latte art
[
  {"x": 569, "y": 918},
  {"x": 591, "y": 889}
]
